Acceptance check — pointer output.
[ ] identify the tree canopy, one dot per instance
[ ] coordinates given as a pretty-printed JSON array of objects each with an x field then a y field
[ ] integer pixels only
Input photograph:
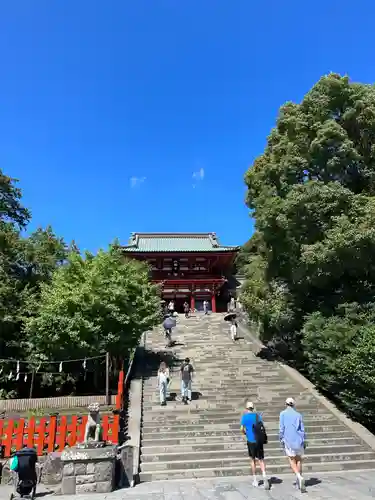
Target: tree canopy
[
  {"x": 312, "y": 194},
  {"x": 93, "y": 305}
]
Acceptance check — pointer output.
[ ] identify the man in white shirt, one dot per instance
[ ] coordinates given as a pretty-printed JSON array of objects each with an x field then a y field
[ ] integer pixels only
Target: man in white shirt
[
  {"x": 205, "y": 307},
  {"x": 233, "y": 330}
]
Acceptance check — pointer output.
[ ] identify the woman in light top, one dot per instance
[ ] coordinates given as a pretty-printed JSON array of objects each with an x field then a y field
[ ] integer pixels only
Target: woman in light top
[
  {"x": 233, "y": 330},
  {"x": 163, "y": 381},
  {"x": 232, "y": 305}
]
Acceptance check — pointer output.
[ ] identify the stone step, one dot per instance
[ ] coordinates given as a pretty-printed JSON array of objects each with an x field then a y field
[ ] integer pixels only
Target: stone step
[
  {"x": 217, "y": 391},
  {"x": 222, "y": 429},
  {"x": 175, "y": 416},
  {"x": 180, "y": 410},
  {"x": 218, "y": 341},
  {"x": 277, "y": 459},
  {"x": 201, "y": 406},
  {"x": 223, "y": 377},
  {"x": 219, "y": 406},
  {"x": 238, "y": 400},
  {"x": 241, "y": 453},
  {"x": 231, "y": 437},
  {"x": 248, "y": 368},
  {"x": 225, "y": 387},
  {"x": 203, "y": 351},
  {"x": 233, "y": 421},
  {"x": 229, "y": 419},
  {"x": 238, "y": 443},
  {"x": 230, "y": 383},
  {"x": 280, "y": 392},
  {"x": 272, "y": 470},
  {"x": 235, "y": 365}
]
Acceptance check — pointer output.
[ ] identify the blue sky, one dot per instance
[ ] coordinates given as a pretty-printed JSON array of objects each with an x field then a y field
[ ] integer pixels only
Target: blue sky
[{"x": 144, "y": 115}]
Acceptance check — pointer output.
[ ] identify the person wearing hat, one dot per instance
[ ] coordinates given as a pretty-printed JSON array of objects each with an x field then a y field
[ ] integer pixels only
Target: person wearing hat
[
  {"x": 293, "y": 439},
  {"x": 252, "y": 427}
]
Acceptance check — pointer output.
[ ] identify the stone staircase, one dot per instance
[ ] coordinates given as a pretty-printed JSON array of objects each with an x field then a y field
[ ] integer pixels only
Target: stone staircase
[{"x": 203, "y": 438}]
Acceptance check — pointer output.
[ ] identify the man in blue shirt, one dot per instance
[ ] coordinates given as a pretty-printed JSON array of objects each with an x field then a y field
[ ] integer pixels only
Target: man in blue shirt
[
  {"x": 293, "y": 439},
  {"x": 254, "y": 445}
]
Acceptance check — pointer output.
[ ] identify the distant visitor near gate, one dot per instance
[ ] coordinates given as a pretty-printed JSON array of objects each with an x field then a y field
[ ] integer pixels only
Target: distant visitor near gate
[{"x": 189, "y": 266}]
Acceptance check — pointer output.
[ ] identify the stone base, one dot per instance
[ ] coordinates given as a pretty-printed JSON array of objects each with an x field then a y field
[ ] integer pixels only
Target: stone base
[
  {"x": 88, "y": 470},
  {"x": 126, "y": 467}
]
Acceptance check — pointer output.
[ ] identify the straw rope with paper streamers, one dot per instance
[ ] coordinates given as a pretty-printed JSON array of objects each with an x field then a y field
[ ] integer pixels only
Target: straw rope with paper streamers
[
  {"x": 87, "y": 358},
  {"x": 40, "y": 364}
]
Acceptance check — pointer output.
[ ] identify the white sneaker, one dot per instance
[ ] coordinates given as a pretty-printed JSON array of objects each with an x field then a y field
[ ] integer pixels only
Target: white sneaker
[
  {"x": 302, "y": 485},
  {"x": 266, "y": 483},
  {"x": 255, "y": 483}
]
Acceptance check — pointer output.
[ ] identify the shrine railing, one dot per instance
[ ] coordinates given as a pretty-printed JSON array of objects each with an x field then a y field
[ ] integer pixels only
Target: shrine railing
[{"x": 49, "y": 434}]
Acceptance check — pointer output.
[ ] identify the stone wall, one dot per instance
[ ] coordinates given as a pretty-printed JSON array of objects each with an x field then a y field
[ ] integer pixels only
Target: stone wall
[{"x": 88, "y": 470}]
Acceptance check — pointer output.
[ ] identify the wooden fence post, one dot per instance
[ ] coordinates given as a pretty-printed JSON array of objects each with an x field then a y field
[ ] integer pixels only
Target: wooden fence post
[
  {"x": 41, "y": 429},
  {"x": 19, "y": 431},
  {"x": 30, "y": 432},
  {"x": 72, "y": 439},
  {"x": 115, "y": 429},
  {"x": 62, "y": 430},
  {"x": 51, "y": 434},
  {"x": 8, "y": 440}
]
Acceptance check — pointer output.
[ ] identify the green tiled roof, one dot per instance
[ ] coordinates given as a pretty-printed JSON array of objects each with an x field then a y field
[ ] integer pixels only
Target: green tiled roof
[{"x": 176, "y": 242}]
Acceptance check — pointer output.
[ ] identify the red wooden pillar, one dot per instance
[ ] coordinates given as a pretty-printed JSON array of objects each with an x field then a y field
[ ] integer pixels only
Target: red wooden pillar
[
  {"x": 213, "y": 302},
  {"x": 192, "y": 302},
  {"x": 192, "y": 298}
]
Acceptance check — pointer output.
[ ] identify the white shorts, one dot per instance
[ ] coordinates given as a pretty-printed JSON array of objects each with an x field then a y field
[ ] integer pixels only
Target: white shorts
[{"x": 294, "y": 453}]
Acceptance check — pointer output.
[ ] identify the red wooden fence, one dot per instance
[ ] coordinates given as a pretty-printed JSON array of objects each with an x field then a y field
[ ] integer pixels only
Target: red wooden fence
[{"x": 49, "y": 434}]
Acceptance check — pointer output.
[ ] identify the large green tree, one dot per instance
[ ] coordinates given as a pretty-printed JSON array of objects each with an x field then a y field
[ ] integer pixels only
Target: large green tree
[
  {"x": 94, "y": 304},
  {"x": 312, "y": 194}
]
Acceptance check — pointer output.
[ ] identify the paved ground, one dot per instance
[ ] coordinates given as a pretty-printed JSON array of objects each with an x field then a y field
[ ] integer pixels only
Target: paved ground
[{"x": 348, "y": 486}]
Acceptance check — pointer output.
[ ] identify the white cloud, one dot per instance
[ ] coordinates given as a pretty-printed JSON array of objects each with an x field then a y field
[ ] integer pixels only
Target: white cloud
[
  {"x": 136, "y": 181},
  {"x": 199, "y": 175}
]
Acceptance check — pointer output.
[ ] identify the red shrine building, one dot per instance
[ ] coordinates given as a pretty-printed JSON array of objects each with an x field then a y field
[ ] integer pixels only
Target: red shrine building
[{"x": 190, "y": 267}]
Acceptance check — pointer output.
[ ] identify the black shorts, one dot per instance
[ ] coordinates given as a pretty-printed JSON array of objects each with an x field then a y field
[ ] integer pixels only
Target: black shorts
[{"x": 256, "y": 451}]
